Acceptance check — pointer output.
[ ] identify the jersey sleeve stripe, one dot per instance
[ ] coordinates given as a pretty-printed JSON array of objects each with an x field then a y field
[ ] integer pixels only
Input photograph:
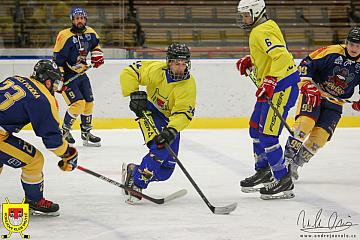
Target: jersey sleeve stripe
[
  {"x": 275, "y": 46},
  {"x": 134, "y": 70},
  {"x": 188, "y": 117}
]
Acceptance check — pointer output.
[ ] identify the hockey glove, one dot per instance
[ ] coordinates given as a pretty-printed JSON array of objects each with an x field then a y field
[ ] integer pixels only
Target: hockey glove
[
  {"x": 356, "y": 106},
  {"x": 267, "y": 87},
  {"x": 243, "y": 63},
  {"x": 97, "y": 58},
  {"x": 167, "y": 135},
  {"x": 138, "y": 101},
  {"x": 311, "y": 93},
  {"x": 69, "y": 159}
]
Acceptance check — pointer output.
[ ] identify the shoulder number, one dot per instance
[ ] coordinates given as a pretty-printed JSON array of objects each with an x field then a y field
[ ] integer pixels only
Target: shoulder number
[{"x": 268, "y": 42}]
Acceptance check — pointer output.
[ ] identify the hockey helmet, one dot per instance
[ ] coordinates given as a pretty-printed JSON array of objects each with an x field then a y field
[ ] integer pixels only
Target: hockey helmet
[
  {"x": 77, "y": 12},
  {"x": 175, "y": 52},
  {"x": 354, "y": 35},
  {"x": 256, "y": 9},
  {"x": 47, "y": 69}
]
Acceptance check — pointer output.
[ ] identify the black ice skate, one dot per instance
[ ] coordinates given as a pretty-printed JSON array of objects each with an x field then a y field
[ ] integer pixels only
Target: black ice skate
[
  {"x": 256, "y": 181},
  {"x": 127, "y": 179},
  {"x": 43, "y": 207},
  {"x": 278, "y": 189},
  {"x": 67, "y": 135},
  {"x": 89, "y": 140}
]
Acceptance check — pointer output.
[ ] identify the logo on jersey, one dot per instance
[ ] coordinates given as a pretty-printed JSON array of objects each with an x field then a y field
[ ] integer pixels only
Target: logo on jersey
[
  {"x": 339, "y": 60},
  {"x": 160, "y": 101},
  {"x": 15, "y": 217},
  {"x": 337, "y": 83}
]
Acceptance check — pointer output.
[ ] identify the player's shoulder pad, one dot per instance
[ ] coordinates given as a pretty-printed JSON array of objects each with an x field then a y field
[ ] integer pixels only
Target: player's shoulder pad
[
  {"x": 91, "y": 30},
  {"x": 325, "y": 51},
  {"x": 61, "y": 39}
]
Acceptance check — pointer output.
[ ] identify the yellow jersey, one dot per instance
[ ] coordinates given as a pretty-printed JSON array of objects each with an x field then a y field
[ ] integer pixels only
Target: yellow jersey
[
  {"x": 174, "y": 99},
  {"x": 269, "y": 54}
]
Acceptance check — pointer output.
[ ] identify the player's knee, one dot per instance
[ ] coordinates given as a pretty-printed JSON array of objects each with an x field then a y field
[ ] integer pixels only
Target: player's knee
[
  {"x": 303, "y": 126},
  {"x": 32, "y": 172},
  {"x": 268, "y": 142},
  {"x": 254, "y": 133},
  {"x": 77, "y": 108},
  {"x": 164, "y": 173},
  {"x": 88, "y": 109},
  {"x": 317, "y": 139}
]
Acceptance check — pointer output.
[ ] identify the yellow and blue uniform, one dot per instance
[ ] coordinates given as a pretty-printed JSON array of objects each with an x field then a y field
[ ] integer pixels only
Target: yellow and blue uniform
[
  {"x": 70, "y": 50},
  {"x": 270, "y": 57},
  {"x": 336, "y": 75},
  {"x": 170, "y": 104},
  {"x": 23, "y": 101}
]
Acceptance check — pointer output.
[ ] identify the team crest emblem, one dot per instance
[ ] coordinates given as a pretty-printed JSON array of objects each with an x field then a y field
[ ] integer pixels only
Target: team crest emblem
[
  {"x": 15, "y": 217},
  {"x": 160, "y": 101}
]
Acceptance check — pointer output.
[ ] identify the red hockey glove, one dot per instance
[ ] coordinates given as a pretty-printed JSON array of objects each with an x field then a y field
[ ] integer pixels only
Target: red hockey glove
[
  {"x": 356, "y": 106},
  {"x": 243, "y": 63},
  {"x": 97, "y": 58},
  {"x": 267, "y": 87},
  {"x": 311, "y": 93},
  {"x": 69, "y": 159}
]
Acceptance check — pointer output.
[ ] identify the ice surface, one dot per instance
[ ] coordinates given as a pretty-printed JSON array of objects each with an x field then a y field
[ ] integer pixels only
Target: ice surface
[{"x": 217, "y": 160}]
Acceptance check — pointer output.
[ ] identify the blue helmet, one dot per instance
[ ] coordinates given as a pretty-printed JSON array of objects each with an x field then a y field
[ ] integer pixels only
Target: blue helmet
[{"x": 77, "y": 12}]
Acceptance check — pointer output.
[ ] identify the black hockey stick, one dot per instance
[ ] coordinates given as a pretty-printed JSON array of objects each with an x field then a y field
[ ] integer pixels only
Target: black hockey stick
[
  {"x": 328, "y": 96},
  {"x": 172, "y": 196},
  {"x": 253, "y": 79},
  {"x": 216, "y": 210},
  {"x": 77, "y": 75}
]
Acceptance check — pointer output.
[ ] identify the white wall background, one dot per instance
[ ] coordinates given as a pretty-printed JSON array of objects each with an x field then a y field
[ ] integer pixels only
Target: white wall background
[{"x": 221, "y": 92}]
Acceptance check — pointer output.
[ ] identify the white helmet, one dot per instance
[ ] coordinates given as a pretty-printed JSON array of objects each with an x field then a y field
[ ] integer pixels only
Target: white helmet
[{"x": 256, "y": 8}]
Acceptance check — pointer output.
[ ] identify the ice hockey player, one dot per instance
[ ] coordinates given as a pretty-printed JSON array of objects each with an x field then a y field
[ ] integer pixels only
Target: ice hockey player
[
  {"x": 31, "y": 100},
  {"x": 332, "y": 71},
  {"x": 277, "y": 77},
  {"x": 70, "y": 51},
  {"x": 169, "y": 102}
]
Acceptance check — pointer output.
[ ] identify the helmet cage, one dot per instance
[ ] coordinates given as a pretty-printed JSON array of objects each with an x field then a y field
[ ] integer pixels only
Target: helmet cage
[{"x": 178, "y": 52}]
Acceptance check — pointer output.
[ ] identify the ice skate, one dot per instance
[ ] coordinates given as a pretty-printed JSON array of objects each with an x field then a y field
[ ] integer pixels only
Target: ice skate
[
  {"x": 43, "y": 207},
  {"x": 256, "y": 181},
  {"x": 127, "y": 179},
  {"x": 278, "y": 189},
  {"x": 89, "y": 139},
  {"x": 67, "y": 134}
]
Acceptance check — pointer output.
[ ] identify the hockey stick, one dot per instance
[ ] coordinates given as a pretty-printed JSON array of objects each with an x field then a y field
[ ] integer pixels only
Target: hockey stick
[
  {"x": 168, "y": 198},
  {"x": 330, "y": 97},
  {"x": 253, "y": 79},
  {"x": 216, "y": 210},
  {"x": 77, "y": 75}
]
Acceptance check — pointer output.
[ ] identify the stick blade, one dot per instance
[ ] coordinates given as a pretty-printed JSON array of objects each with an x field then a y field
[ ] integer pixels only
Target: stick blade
[
  {"x": 175, "y": 195},
  {"x": 225, "y": 210}
]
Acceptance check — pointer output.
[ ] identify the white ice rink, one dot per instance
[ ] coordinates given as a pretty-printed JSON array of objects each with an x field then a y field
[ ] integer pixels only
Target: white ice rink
[{"x": 217, "y": 160}]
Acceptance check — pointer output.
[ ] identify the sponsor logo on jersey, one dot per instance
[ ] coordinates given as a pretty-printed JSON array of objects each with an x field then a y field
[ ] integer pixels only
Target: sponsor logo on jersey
[{"x": 15, "y": 217}]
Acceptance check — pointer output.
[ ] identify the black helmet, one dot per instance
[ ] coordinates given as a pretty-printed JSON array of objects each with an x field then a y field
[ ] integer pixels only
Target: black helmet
[
  {"x": 179, "y": 51},
  {"x": 47, "y": 69},
  {"x": 354, "y": 35}
]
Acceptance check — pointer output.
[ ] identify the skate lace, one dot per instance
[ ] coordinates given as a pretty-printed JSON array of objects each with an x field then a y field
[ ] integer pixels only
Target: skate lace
[
  {"x": 44, "y": 203},
  {"x": 271, "y": 184}
]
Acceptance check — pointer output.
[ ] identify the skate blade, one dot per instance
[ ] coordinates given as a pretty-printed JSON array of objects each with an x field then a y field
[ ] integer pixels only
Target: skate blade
[
  {"x": 282, "y": 195},
  {"x": 131, "y": 200},
  {"x": 38, "y": 213},
  {"x": 250, "y": 189},
  {"x": 89, "y": 144}
]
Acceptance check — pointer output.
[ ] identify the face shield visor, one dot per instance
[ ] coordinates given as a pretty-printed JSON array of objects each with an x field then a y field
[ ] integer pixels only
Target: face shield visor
[{"x": 179, "y": 69}]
